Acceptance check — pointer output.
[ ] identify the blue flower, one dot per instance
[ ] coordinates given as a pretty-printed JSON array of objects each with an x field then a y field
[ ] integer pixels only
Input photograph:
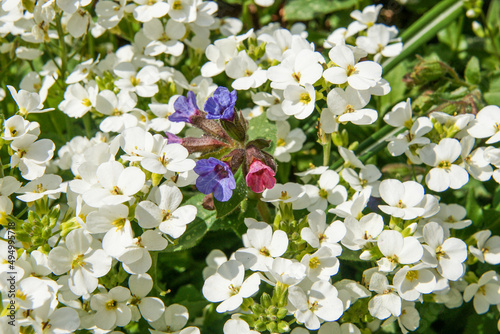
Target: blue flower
[
  {"x": 221, "y": 104},
  {"x": 215, "y": 177},
  {"x": 184, "y": 108}
]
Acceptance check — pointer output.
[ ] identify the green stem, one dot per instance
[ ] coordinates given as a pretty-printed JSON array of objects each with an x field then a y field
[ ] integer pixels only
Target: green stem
[
  {"x": 88, "y": 125},
  {"x": 327, "y": 147},
  {"x": 425, "y": 29},
  {"x": 264, "y": 211},
  {"x": 62, "y": 45}
]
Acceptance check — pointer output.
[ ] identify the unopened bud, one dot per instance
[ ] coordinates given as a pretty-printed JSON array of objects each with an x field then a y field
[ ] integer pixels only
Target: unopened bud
[
  {"x": 428, "y": 70},
  {"x": 156, "y": 179},
  {"x": 210, "y": 127},
  {"x": 234, "y": 159},
  {"x": 236, "y": 128},
  {"x": 477, "y": 28},
  {"x": 282, "y": 312},
  {"x": 257, "y": 309},
  {"x": 271, "y": 327},
  {"x": 260, "y": 326},
  {"x": 283, "y": 327},
  {"x": 265, "y": 300},
  {"x": 208, "y": 202},
  {"x": 203, "y": 144}
]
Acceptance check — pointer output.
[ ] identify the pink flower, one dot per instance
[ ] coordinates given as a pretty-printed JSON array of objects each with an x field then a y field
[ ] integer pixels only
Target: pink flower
[{"x": 260, "y": 177}]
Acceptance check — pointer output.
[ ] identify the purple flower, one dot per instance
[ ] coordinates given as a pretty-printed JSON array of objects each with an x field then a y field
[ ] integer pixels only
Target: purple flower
[
  {"x": 221, "y": 104},
  {"x": 184, "y": 108},
  {"x": 215, "y": 177}
]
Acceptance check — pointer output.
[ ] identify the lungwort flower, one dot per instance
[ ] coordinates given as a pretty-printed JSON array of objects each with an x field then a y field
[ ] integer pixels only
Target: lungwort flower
[
  {"x": 260, "y": 177},
  {"x": 221, "y": 104},
  {"x": 215, "y": 177}
]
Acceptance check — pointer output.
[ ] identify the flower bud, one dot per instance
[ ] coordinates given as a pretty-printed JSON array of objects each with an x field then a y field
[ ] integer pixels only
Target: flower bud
[
  {"x": 283, "y": 327},
  {"x": 428, "y": 70},
  {"x": 260, "y": 326},
  {"x": 234, "y": 159},
  {"x": 271, "y": 327},
  {"x": 265, "y": 300},
  {"x": 236, "y": 128},
  {"x": 204, "y": 144},
  {"x": 282, "y": 312},
  {"x": 210, "y": 127},
  {"x": 257, "y": 309}
]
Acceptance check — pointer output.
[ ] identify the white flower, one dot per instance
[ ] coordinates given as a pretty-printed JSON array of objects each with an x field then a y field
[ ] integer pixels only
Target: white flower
[
  {"x": 49, "y": 320},
  {"x": 354, "y": 206},
  {"x": 164, "y": 39},
  {"x": 262, "y": 246},
  {"x": 182, "y": 10},
  {"x": 83, "y": 263},
  {"x": 445, "y": 174},
  {"x": 412, "y": 282},
  {"x": 386, "y": 302},
  {"x": 446, "y": 255},
  {"x": 173, "y": 321},
  {"x": 237, "y": 326},
  {"x": 486, "y": 292},
  {"x": 148, "y": 10},
  {"x": 403, "y": 198},
  {"x": 411, "y": 140},
  {"x": 16, "y": 127},
  {"x": 285, "y": 193},
  {"x": 48, "y": 184},
  {"x": 116, "y": 184},
  {"x": 164, "y": 212},
  {"x": 347, "y": 106},
  {"x": 451, "y": 216},
  {"x": 28, "y": 102},
  {"x": 214, "y": 259},
  {"x": 227, "y": 286},
  {"x": 109, "y": 13},
  {"x": 364, "y": 19},
  {"x": 79, "y": 100},
  {"x": 400, "y": 115},
  {"x": 320, "y": 234},
  {"x": 165, "y": 157},
  {"x": 288, "y": 272},
  {"x": 360, "y": 76},
  {"x": 475, "y": 162},
  {"x": 111, "y": 307},
  {"x": 299, "y": 101},
  {"x": 377, "y": 41},
  {"x": 296, "y": 69},
  {"x": 488, "y": 247},
  {"x": 143, "y": 82},
  {"x": 320, "y": 304},
  {"x": 397, "y": 249},
  {"x": 321, "y": 265},
  {"x": 31, "y": 155},
  {"x": 486, "y": 124},
  {"x": 245, "y": 71},
  {"x": 151, "y": 308},
  {"x": 359, "y": 233},
  {"x": 288, "y": 141},
  {"x": 367, "y": 177}
]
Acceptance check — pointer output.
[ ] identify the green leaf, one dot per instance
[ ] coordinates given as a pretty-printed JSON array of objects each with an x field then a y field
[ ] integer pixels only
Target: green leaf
[
  {"x": 197, "y": 228},
  {"x": 492, "y": 98},
  {"x": 350, "y": 255},
  {"x": 473, "y": 71},
  {"x": 260, "y": 127},
  {"x": 302, "y": 10},
  {"x": 239, "y": 194}
]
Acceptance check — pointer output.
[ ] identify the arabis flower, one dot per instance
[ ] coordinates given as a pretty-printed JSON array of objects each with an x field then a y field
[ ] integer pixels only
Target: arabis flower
[
  {"x": 486, "y": 124},
  {"x": 229, "y": 287},
  {"x": 215, "y": 177},
  {"x": 151, "y": 308},
  {"x": 31, "y": 155},
  {"x": 488, "y": 247},
  {"x": 485, "y": 292},
  {"x": 386, "y": 302},
  {"x": 397, "y": 249},
  {"x": 360, "y": 76},
  {"x": 445, "y": 174},
  {"x": 412, "y": 282},
  {"x": 262, "y": 245},
  {"x": 320, "y": 304},
  {"x": 403, "y": 198},
  {"x": 111, "y": 307}
]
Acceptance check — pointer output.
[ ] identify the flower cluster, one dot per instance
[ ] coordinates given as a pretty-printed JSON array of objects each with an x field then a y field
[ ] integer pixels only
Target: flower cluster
[{"x": 99, "y": 218}]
